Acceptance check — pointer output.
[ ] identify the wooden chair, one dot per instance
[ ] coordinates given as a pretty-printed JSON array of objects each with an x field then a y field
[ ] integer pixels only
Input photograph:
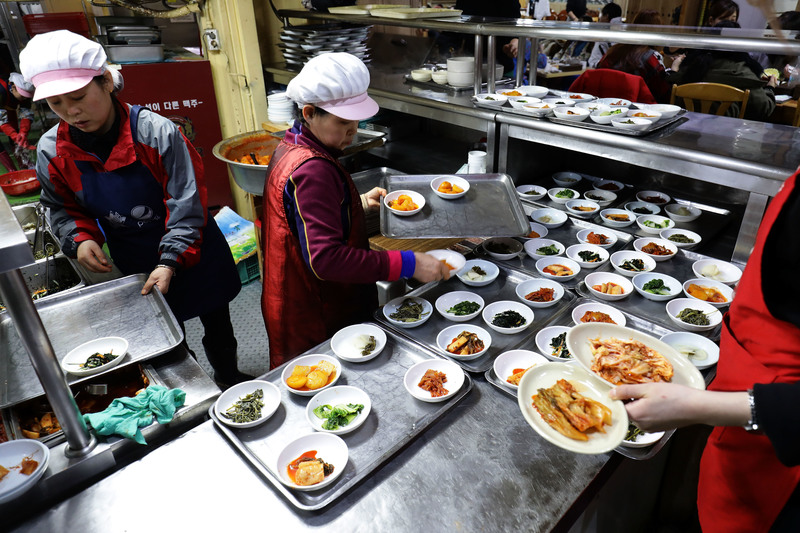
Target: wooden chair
[{"x": 709, "y": 94}]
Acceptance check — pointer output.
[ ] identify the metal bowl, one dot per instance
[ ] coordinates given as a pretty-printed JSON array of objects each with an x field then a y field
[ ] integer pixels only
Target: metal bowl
[{"x": 249, "y": 177}]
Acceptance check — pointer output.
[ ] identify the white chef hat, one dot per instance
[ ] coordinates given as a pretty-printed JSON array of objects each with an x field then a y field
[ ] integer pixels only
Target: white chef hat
[
  {"x": 336, "y": 82},
  {"x": 24, "y": 87},
  {"x": 60, "y": 62}
]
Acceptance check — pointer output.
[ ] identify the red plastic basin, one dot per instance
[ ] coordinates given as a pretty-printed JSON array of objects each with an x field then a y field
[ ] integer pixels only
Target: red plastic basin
[{"x": 19, "y": 182}]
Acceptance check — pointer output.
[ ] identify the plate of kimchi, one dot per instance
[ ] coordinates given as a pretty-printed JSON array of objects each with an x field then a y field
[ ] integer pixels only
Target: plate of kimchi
[
  {"x": 620, "y": 355},
  {"x": 571, "y": 409}
]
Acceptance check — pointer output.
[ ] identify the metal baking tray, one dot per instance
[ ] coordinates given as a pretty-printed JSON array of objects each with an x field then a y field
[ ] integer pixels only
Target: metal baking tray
[
  {"x": 503, "y": 288},
  {"x": 113, "y": 308},
  {"x": 490, "y": 208},
  {"x": 591, "y": 125},
  {"x": 452, "y": 88},
  {"x": 566, "y": 234},
  {"x": 396, "y": 419},
  {"x": 58, "y": 271}
]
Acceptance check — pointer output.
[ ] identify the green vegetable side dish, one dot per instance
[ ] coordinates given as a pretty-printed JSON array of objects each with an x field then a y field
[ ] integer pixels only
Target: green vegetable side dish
[
  {"x": 694, "y": 317},
  {"x": 655, "y": 225},
  {"x": 565, "y": 193},
  {"x": 551, "y": 249},
  {"x": 489, "y": 98},
  {"x": 629, "y": 121},
  {"x": 98, "y": 359},
  {"x": 509, "y": 319},
  {"x": 633, "y": 433},
  {"x": 681, "y": 238},
  {"x": 370, "y": 346},
  {"x": 609, "y": 113},
  {"x": 338, "y": 416},
  {"x": 559, "y": 346},
  {"x": 246, "y": 408},
  {"x": 589, "y": 256},
  {"x": 642, "y": 211},
  {"x": 409, "y": 311},
  {"x": 634, "y": 265},
  {"x": 656, "y": 286},
  {"x": 464, "y": 308}
]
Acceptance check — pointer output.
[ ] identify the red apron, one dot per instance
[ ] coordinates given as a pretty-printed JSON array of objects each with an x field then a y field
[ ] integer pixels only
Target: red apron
[
  {"x": 743, "y": 486},
  {"x": 301, "y": 310}
]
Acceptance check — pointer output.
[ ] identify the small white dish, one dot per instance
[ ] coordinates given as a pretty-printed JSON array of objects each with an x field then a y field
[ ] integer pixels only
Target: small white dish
[
  {"x": 562, "y": 195},
  {"x": 674, "y": 308},
  {"x": 492, "y": 271},
  {"x": 642, "y": 208},
  {"x": 507, "y": 362},
  {"x": 539, "y": 110},
  {"x": 344, "y": 346},
  {"x": 643, "y": 440},
  {"x": 669, "y": 234},
  {"x": 342, "y": 394},
  {"x": 532, "y": 247},
  {"x": 573, "y": 252},
  {"x": 682, "y": 213},
  {"x": 592, "y": 106},
  {"x": 536, "y": 91},
  {"x": 453, "y": 260},
  {"x": 605, "y": 115},
  {"x": 666, "y": 110},
  {"x": 533, "y": 285},
  {"x": 544, "y": 340},
  {"x": 671, "y": 284},
  {"x": 609, "y": 185},
  {"x": 537, "y": 231},
  {"x": 452, "y": 180},
  {"x": 582, "y": 208},
  {"x": 575, "y": 114},
  {"x": 495, "y": 308},
  {"x": 615, "y": 102},
  {"x": 531, "y": 192},
  {"x": 439, "y": 76},
  {"x": 640, "y": 244},
  {"x": 77, "y": 356},
  {"x": 330, "y": 448},
  {"x": 491, "y": 99},
  {"x": 548, "y": 217},
  {"x": 453, "y": 374},
  {"x": 449, "y": 299},
  {"x": 683, "y": 341},
  {"x": 416, "y": 197},
  {"x": 717, "y": 270},
  {"x": 610, "y": 237},
  {"x": 623, "y": 218},
  {"x": 647, "y": 114},
  {"x": 653, "y": 197},
  {"x": 567, "y": 179},
  {"x": 271, "y": 399},
  {"x": 393, "y": 305},
  {"x": 580, "y": 97},
  {"x": 550, "y": 262},
  {"x": 618, "y": 258},
  {"x": 725, "y": 290},
  {"x": 646, "y": 223},
  {"x": 558, "y": 102},
  {"x": 580, "y": 311},
  {"x": 596, "y": 279},
  {"x": 421, "y": 74},
  {"x": 518, "y": 102},
  {"x": 502, "y": 248},
  {"x": 311, "y": 360},
  {"x": 600, "y": 197},
  {"x": 631, "y": 123},
  {"x": 15, "y": 483},
  {"x": 446, "y": 336}
]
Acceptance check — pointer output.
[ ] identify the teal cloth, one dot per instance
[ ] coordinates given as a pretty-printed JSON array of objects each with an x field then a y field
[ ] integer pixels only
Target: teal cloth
[{"x": 125, "y": 416}]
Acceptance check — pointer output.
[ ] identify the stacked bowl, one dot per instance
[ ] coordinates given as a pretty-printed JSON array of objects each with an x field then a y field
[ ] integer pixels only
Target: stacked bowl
[
  {"x": 461, "y": 71},
  {"x": 279, "y": 108}
]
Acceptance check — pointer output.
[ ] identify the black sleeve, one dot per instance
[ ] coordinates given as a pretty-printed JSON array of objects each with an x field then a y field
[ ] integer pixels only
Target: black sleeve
[
  {"x": 779, "y": 419},
  {"x": 779, "y": 263}
]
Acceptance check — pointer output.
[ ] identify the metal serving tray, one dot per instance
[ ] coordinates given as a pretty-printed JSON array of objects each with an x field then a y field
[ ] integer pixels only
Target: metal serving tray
[
  {"x": 503, "y": 288},
  {"x": 114, "y": 308},
  {"x": 591, "y": 125},
  {"x": 63, "y": 277},
  {"x": 452, "y": 88},
  {"x": 490, "y": 208},
  {"x": 397, "y": 418}
]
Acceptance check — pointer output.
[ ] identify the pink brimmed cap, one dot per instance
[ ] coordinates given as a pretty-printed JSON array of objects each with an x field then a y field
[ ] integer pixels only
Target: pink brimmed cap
[
  {"x": 336, "y": 82},
  {"x": 24, "y": 87},
  {"x": 59, "y": 62}
]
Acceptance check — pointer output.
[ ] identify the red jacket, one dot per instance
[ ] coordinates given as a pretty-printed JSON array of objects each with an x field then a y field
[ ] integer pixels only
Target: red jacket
[{"x": 608, "y": 83}]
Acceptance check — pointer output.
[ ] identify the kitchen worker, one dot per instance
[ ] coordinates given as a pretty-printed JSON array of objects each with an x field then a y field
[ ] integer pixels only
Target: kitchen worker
[
  {"x": 123, "y": 175},
  {"x": 15, "y": 97},
  {"x": 319, "y": 273}
]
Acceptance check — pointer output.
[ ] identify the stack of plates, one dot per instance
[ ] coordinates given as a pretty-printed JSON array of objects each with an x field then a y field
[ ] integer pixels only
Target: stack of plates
[
  {"x": 301, "y": 43},
  {"x": 279, "y": 108}
]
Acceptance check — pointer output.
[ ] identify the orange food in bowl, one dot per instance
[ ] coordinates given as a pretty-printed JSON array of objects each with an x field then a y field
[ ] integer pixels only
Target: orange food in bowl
[
  {"x": 448, "y": 265},
  {"x": 448, "y": 188},
  {"x": 403, "y": 203},
  {"x": 260, "y": 160},
  {"x": 533, "y": 235},
  {"x": 707, "y": 294}
]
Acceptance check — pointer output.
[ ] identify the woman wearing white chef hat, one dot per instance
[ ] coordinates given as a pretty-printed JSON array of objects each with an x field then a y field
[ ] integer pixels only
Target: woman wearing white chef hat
[
  {"x": 15, "y": 97},
  {"x": 122, "y": 175},
  {"x": 319, "y": 273}
]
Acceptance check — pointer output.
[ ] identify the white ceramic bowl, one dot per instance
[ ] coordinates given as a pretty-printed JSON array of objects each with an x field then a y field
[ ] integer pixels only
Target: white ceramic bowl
[
  {"x": 393, "y": 305},
  {"x": 652, "y": 209},
  {"x": 491, "y": 310},
  {"x": 453, "y": 180},
  {"x": 491, "y": 99},
  {"x": 631, "y": 123},
  {"x": 439, "y": 76},
  {"x": 558, "y": 102},
  {"x": 343, "y": 342},
  {"x": 662, "y": 223},
  {"x": 15, "y": 483},
  {"x": 492, "y": 271},
  {"x": 638, "y": 244},
  {"x": 271, "y": 399},
  {"x": 579, "y": 311},
  {"x": 502, "y": 248},
  {"x": 574, "y": 251},
  {"x": 666, "y": 110},
  {"x": 667, "y": 233},
  {"x": 566, "y": 179},
  {"x": 594, "y": 105},
  {"x": 461, "y": 64},
  {"x": 643, "y": 440},
  {"x": 421, "y": 74},
  {"x": 674, "y": 307},
  {"x": 548, "y": 217},
  {"x": 680, "y": 340},
  {"x": 539, "y": 110},
  {"x": 539, "y": 229},
  {"x": 454, "y": 260},
  {"x": 449, "y": 299},
  {"x": 552, "y": 193},
  {"x": 600, "y": 197},
  {"x": 609, "y": 185},
  {"x": 675, "y": 212},
  {"x": 617, "y": 258},
  {"x": 460, "y": 79},
  {"x": 653, "y": 197},
  {"x": 598, "y": 278},
  {"x": 583, "y": 237},
  {"x": 545, "y": 262},
  {"x": 531, "y": 192},
  {"x": 604, "y": 115},
  {"x": 577, "y": 208},
  {"x": 615, "y": 102},
  {"x": 617, "y": 223},
  {"x": 580, "y": 97},
  {"x": 330, "y": 448},
  {"x": 505, "y": 364},
  {"x": 545, "y": 337},
  {"x": 517, "y": 102},
  {"x": 575, "y": 114},
  {"x": 536, "y": 91},
  {"x": 453, "y": 373},
  {"x": 446, "y": 336},
  {"x": 78, "y": 355},
  {"x": 725, "y": 290},
  {"x": 342, "y": 394},
  {"x": 532, "y": 245},
  {"x": 532, "y": 285},
  {"x": 647, "y": 114},
  {"x": 311, "y": 360},
  {"x": 725, "y": 272},
  {"x": 673, "y": 285},
  {"x": 416, "y": 197}
]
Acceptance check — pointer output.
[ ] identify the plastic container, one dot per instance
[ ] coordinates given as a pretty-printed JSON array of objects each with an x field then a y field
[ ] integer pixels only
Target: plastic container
[{"x": 45, "y": 22}]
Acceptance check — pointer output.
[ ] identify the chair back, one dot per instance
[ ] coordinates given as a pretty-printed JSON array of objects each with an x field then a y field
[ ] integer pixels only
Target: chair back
[
  {"x": 708, "y": 95},
  {"x": 609, "y": 83}
]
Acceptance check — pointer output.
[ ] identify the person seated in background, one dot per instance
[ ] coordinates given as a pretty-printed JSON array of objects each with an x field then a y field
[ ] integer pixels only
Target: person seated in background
[
  {"x": 641, "y": 60},
  {"x": 736, "y": 69},
  {"x": 511, "y": 50},
  {"x": 576, "y": 10},
  {"x": 610, "y": 13},
  {"x": 789, "y": 21},
  {"x": 722, "y": 10}
]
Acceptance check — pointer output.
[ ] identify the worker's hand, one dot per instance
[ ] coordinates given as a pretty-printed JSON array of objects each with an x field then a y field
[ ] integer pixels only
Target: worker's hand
[
  {"x": 21, "y": 140},
  {"x": 92, "y": 257},
  {"x": 511, "y": 48},
  {"x": 160, "y": 276},
  {"x": 428, "y": 268},
  {"x": 772, "y": 81},
  {"x": 676, "y": 62},
  {"x": 659, "y": 406},
  {"x": 373, "y": 199}
]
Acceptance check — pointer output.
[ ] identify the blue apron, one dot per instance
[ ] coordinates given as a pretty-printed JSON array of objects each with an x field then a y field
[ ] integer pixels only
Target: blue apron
[{"x": 129, "y": 204}]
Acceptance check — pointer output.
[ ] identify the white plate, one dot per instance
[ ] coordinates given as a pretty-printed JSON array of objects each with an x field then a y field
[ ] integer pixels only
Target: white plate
[
  {"x": 667, "y": 233},
  {"x": 573, "y": 205},
  {"x": 575, "y": 249},
  {"x": 614, "y": 102},
  {"x": 725, "y": 290},
  {"x": 566, "y": 179},
  {"x": 583, "y": 235},
  {"x": 684, "y": 372},
  {"x": 576, "y": 114},
  {"x": 538, "y": 228},
  {"x": 597, "y": 278},
  {"x": 631, "y": 123},
  {"x": 545, "y": 337},
  {"x": 663, "y": 222},
  {"x": 495, "y": 99},
  {"x": 674, "y": 307},
  {"x": 492, "y": 271},
  {"x": 330, "y": 448},
  {"x": 454, "y": 260},
  {"x": 617, "y": 223},
  {"x": 617, "y": 258},
  {"x": 579, "y": 311},
  {"x": 599, "y": 115},
  {"x": 12, "y": 453},
  {"x": 518, "y": 102},
  {"x": 531, "y": 285},
  {"x": 310, "y": 360},
  {"x": 592, "y": 106},
  {"x": 652, "y": 116},
  {"x": 454, "y": 180},
  {"x": 532, "y": 245},
  {"x": 513, "y": 246},
  {"x": 271, "y": 399},
  {"x": 672, "y": 211},
  {"x": 666, "y": 110},
  {"x": 446, "y": 336},
  {"x": 536, "y": 91},
  {"x": 77, "y": 356},
  {"x": 393, "y": 305},
  {"x": 449, "y": 299},
  {"x": 600, "y": 197},
  {"x": 453, "y": 373},
  {"x": 539, "y": 110},
  {"x": 558, "y": 102},
  {"x": 579, "y": 97},
  {"x": 638, "y": 244},
  {"x": 342, "y": 342},
  {"x": 548, "y": 217},
  {"x": 416, "y": 197},
  {"x": 729, "y": 273},
  {"x": 523, "y": 191},
  {"x": 643, "y": 440},
  {"x": 562, "y": 200},
  {"x": 544, "y": 262},
  {"x": 674, "y": 286},
  {"x": 343, "y": 394},
  {"x": 545, "y": 376},
  {"x": 494, "y": 308},
  {"x": 693, "y": 340},
  {"x": 507, "y": 362}
]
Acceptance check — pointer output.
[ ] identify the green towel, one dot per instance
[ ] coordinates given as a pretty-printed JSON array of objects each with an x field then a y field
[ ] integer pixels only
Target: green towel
[{"x": 125, "y": 416}]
